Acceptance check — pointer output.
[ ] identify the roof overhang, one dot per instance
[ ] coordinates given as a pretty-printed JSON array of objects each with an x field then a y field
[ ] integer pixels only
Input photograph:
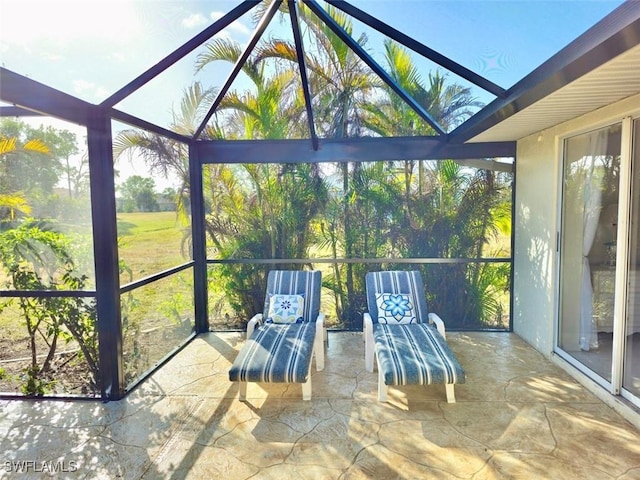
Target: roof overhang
[{"x": 597, "y": 69}]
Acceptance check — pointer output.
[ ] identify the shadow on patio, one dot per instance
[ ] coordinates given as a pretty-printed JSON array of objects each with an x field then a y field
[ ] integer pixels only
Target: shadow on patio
[{"x": 518, "y": 416}]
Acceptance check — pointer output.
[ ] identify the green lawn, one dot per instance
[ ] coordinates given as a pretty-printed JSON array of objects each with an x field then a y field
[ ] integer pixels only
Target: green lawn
[{"x": 149, "y": 243}]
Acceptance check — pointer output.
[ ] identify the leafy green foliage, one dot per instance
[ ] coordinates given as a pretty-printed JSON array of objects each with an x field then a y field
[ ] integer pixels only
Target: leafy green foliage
[
  {"x": 260, "y": 211},
  {"x": 37, "y": 259}
]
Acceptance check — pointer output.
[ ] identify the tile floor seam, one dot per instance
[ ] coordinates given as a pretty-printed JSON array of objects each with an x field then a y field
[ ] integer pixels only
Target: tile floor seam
[
  {"x": 432, "y": 467},
  {"x": 364, "y": 448},
  {"x": 229, "y": 432},
  {"x": 193, "y": 382},
  {"x": 485, "y": 464},
  {"x": 258, "y": 467},
  {"x": 551, "y": 431},
  {"x": 174, "y": 433},
  {"x": 486, "y": 447},
  {"x": 354, "y": 461},
  {"x": 626, "y": 472}
]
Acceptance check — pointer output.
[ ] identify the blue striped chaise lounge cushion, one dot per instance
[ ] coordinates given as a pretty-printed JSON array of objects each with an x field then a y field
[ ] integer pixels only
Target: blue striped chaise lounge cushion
[
  {"x": 278, "y": 353},
  {"x": 412, "y": 354}
]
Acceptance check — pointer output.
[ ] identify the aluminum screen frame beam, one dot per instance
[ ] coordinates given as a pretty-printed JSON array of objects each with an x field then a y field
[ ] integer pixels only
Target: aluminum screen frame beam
[
  {"x": 105, "y": 247},
  {"x": 304, "y": 80},
  {"x": 144, "y": 125},
  {"x": 348, "y": 150},
  {"x": 31, "y": 95},
  {"x": 18, "y": 112}
]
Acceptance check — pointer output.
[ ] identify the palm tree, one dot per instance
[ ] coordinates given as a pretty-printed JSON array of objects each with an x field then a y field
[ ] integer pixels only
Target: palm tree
[
  {"x": 340, "y": 85},
  {"x": 259, "y": 211},
  {"x": 447, "y": 211},
  {"x": 15, "y": 203},
  {"x": 339, "y": 81},
  {"x": 270, "y": 109},
  {"x": 454, "y": 218}
]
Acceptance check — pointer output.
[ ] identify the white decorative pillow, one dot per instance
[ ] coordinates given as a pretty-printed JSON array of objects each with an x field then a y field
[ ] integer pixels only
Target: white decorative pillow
[
  {"x": 395, "y": 308},
  {"x": 285, "y": 309}
]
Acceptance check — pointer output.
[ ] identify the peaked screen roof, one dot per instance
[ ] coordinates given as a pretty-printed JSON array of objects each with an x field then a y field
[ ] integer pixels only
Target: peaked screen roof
[
  {"x": 290, "y": 21},
  {"x": 328, "y": 21}
]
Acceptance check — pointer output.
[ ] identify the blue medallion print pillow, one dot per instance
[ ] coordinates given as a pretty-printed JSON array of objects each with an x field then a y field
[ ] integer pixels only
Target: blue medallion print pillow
[
  {"x": 285, "y": 309},
  {"x": 395, "y": 308}
]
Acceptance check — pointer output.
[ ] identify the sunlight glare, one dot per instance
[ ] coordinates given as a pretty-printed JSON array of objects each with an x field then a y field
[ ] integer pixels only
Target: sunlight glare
[{"x": 66, "y": 21}]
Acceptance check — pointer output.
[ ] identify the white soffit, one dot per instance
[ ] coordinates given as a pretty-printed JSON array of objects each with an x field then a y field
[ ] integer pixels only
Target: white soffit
[{"x": 617, "y": 79}]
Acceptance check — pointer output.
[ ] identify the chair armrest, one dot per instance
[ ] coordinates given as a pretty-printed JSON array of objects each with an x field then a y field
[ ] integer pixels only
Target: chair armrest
[
  {"x": 256, "y": 320},
  {"x": 320, "y": 325},
  {"x": 435, "y": 319},
  {"x": 367, "y": 325}
]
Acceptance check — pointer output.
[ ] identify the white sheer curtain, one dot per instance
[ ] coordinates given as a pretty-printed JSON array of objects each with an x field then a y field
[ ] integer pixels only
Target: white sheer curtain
[{"x": 592, "y": 203}]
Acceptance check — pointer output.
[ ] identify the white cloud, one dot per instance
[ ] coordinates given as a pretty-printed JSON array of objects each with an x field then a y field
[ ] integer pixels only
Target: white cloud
[
  {"x": 64, "y": 21},
  {"x": 194, "y": 20},
  {"x": 118, "y": 57},
  {"x": 82, "y": 85},
  {"x": 53, "y": 57},
  {"x": 86, "y": 88},
  {"x": 237, "y": 26}
]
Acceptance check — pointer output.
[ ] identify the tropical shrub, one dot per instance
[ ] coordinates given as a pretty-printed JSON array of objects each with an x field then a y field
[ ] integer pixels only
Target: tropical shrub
[{"x": 37, "y": 259}]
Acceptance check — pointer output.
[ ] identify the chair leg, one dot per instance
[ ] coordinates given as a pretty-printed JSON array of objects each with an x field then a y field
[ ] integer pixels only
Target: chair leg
[
  {"x": 306, "y": 389},
  {"x": 382, "y": 388},
  {"x": 242, "y": 393},
  {"x": 319, "y": 354},
  {"x": 451, "y": 397},
  {"x": 369, "y": 350},
  {"x": 318, "y": 348}
]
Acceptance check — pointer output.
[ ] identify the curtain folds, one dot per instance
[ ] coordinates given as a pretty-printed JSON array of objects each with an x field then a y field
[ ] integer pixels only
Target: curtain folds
[{"x": 592, "y": 205}]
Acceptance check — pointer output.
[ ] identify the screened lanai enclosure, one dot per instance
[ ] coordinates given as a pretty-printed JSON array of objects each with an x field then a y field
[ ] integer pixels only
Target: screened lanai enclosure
[{"x": 326, "y": 140}]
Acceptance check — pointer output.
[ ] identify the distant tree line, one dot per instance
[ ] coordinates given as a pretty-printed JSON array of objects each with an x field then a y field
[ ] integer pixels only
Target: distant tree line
[{"x": 138, "y": 194}]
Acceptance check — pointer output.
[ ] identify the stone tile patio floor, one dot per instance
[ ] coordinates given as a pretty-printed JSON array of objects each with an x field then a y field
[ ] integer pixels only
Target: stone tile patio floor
[{"x": 518, "y": 416}]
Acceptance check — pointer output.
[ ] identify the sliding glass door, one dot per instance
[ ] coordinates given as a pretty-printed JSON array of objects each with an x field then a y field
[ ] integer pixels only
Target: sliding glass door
[
  {"x": 631, "y": 331},
  {"x": 588, "y": 247}
]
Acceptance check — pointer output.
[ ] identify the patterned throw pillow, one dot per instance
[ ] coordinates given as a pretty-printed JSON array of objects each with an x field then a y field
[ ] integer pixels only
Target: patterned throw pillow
[
  {"x": 285, "y": 309},
  {"x": 395, "y": 308}
]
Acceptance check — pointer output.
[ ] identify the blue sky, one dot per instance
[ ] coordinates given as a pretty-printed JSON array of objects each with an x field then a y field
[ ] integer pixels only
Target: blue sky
[
  {"x": 91, "y": 48},
  {"x": 501, "y": 39}
]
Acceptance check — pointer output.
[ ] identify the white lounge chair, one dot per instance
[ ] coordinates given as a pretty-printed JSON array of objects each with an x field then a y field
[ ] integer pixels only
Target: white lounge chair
[
  {"x": 409, "y": 343},
  {"x": 282, "y": 340}
]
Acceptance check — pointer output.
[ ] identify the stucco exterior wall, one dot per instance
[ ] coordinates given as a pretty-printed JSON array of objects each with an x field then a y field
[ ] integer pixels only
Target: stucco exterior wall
[{"x": 536, "y": 222}]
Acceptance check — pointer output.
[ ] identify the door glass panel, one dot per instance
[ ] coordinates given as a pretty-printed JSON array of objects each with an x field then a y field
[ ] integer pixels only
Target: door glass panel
[
  {"x": 631, "y": 366},
  {"x": 588, "y": 248}
]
